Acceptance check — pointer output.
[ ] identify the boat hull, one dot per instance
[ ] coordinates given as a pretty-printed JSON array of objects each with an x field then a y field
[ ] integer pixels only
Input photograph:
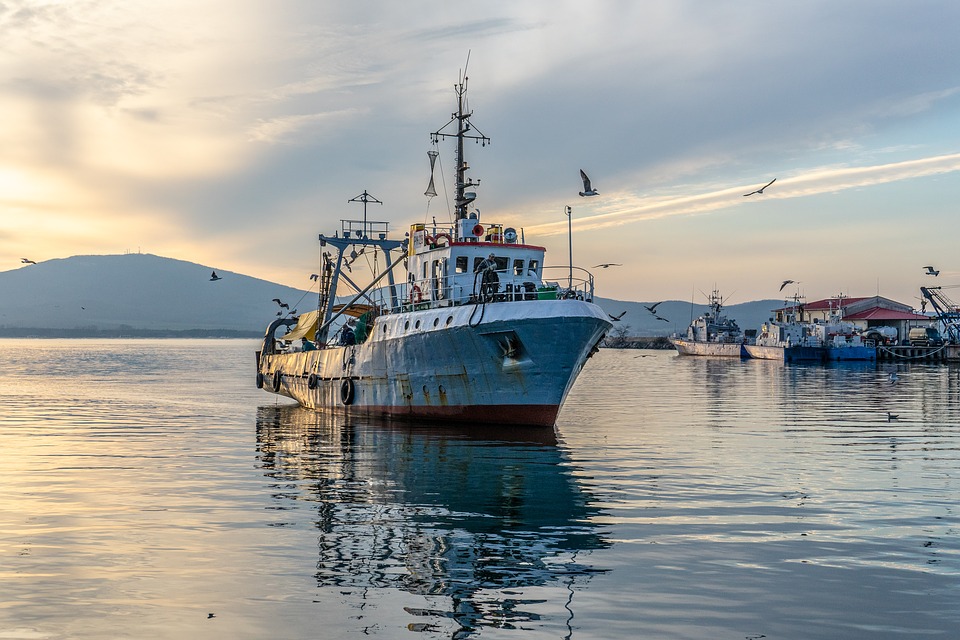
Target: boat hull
[
  {"x": 694, "y": 348},
  {"x": 798, "y": 353},
  {"x": 503, "y": 363}
]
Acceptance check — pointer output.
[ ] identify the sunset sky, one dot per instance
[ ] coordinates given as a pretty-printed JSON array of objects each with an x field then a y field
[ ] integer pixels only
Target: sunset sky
[{"x": 232, "y": 133}]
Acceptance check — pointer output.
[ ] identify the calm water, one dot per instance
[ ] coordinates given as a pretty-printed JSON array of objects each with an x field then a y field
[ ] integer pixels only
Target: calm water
[{"x": 149, "y": 490}]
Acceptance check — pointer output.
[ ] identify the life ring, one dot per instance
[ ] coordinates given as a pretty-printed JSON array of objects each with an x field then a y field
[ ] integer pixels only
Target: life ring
[
  {"x": 276, "y": 380},
  {"x": 478, "y": 230},
  {"x": 436, "y": 238},
  {"x": 416, "y": 295},
  {"x": 259, "y": 380},
  {"x": 312, "y": 381},
  {"x": 346, "y": 392}
]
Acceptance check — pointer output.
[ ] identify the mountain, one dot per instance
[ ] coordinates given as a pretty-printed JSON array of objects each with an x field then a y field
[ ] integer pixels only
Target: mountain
[{"x": 88, "y": 295}]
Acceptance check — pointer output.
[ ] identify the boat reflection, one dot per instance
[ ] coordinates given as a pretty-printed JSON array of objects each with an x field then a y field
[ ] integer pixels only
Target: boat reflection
[{"x": 472, "y": 515}]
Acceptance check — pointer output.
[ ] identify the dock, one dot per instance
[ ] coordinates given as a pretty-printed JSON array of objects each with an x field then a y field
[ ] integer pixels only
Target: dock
[{"x": 944, "y": 353}]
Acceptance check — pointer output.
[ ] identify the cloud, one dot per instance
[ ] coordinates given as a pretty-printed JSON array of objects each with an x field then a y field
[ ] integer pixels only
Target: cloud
[{"x": 626, "y": 208}]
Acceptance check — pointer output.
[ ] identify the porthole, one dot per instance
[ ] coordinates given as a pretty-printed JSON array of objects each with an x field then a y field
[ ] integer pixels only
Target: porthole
[
  {"x": 406, "y": 325},
  {"x": 449, "y": 320},
  {"x": 417, "y": 326},
  {"x": 436, "y": 321}
]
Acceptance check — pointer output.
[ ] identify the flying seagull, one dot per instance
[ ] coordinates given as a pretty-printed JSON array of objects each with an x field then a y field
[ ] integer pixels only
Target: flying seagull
[
  {"x": 27, "y": 261},
  {"x": 652, "y": 308},
  {"x": 894, "y": 377},
  {"x": 587, "y": 189},
  {"x": 931, "y": 271},
  {"x": 314, "y": 276},
  {"x": 760, "y": 190},
  {"x": 214, "y": 277},
  {"x": 659, "y": 318},
  {"x": 786, "y": 282},
  {"x": 616, "y": 318},
  {"x": 606, "y": 265}
]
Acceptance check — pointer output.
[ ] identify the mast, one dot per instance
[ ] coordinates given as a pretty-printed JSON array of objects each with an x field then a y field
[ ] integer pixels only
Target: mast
[{"x": 464, "y": 127}]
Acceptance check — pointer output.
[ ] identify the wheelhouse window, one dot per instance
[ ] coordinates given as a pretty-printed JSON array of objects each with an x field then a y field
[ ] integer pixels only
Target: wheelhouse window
[
  {"x": 461, "y": 266},
  {"x": 518, "y": 267},
  {"x": 534, "y": 267}
]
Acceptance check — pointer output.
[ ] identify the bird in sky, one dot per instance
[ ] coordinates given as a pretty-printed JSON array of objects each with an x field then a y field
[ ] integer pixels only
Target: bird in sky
[
  {"x": 893, "y": 377},
  {"x": 214, "y": 277},
  {"x": 277, "y": 300},
  {"x": 27, "y": 261},
  {"x": 607, "y": 265},
  {"x": 659, "y": 318},
  {"x": 314, "y": 276},
  {"x": 931, "y": 271},
  {"x": 760, "y": 190},
  {"x": 652, "y": 308},
  {"x": 587, "y": 189},
  {"x": 786, "y": 282},
  {"x": 891, "y": 416},
  {"x": 616, "y": 318}
]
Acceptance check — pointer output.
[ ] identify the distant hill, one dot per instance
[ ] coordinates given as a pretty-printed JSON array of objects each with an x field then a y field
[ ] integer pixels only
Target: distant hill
[
  {"x": 144, "y": 294},
  {"x": 90, "y": 295}
]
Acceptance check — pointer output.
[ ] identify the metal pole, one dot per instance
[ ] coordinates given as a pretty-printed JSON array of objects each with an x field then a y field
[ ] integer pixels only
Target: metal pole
[{"x": 570, "y": 244}]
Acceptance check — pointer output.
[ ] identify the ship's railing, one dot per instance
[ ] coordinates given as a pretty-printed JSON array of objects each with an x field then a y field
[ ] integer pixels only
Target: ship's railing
[
  {"x": 572, "y": 283},
  {"x": 471, "y": 288}
]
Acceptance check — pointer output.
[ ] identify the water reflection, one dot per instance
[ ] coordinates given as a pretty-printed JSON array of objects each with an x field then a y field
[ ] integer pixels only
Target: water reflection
[{"x": 474, "y": 515}]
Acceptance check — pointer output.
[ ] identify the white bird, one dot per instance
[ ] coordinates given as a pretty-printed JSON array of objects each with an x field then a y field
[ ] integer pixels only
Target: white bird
[
  {"x": 894, "y": 377},
  {"x": 760, "y": 190},
  {"x": 786, "y": 282},
  {"x": 587, "y": 189},
  {"x": 931, "y": 271},
  {"x": 214, "y": 277}
]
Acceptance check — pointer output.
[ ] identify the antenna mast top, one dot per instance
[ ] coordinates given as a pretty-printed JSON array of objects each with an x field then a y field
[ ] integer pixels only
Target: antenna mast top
[{"x": 462, "y": 118}]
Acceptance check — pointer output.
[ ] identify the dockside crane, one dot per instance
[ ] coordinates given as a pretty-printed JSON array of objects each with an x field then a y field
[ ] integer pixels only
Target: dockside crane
[{"x": 948, "y": 312}]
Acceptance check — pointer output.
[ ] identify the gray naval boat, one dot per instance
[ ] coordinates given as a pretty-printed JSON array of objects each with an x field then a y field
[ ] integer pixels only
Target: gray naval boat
[
  {"x": 461, "y": 322},
  {"x": 712, "y": 334}
]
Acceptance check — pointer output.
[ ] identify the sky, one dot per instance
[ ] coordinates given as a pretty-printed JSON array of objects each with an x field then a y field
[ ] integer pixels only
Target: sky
[{"x": 232, "y": 133}]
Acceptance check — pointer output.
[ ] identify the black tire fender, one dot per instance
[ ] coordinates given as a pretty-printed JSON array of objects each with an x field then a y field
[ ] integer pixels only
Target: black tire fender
[{"x": 347, "y": 391}]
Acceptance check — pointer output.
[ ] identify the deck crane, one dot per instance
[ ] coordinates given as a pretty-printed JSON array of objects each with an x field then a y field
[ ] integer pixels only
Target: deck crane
[{"x": 948, "y": 312}]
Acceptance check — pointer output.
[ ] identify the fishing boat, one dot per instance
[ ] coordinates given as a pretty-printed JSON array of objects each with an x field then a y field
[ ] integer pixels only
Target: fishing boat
[
  {"x": 711, "y": 334},
  {"x": 475, "y": 329}
]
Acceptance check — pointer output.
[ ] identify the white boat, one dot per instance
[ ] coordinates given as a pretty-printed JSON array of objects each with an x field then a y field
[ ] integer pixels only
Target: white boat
[
  {"x": 712, "y": 334},
  {"x": 473, "y": 331}
]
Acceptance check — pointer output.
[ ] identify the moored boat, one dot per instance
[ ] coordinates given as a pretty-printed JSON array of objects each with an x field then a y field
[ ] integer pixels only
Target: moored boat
[
  {"x": 473, "y": 331},
  {"x": 711, "y": 334},
  {"x": 793, "y": 340}
]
